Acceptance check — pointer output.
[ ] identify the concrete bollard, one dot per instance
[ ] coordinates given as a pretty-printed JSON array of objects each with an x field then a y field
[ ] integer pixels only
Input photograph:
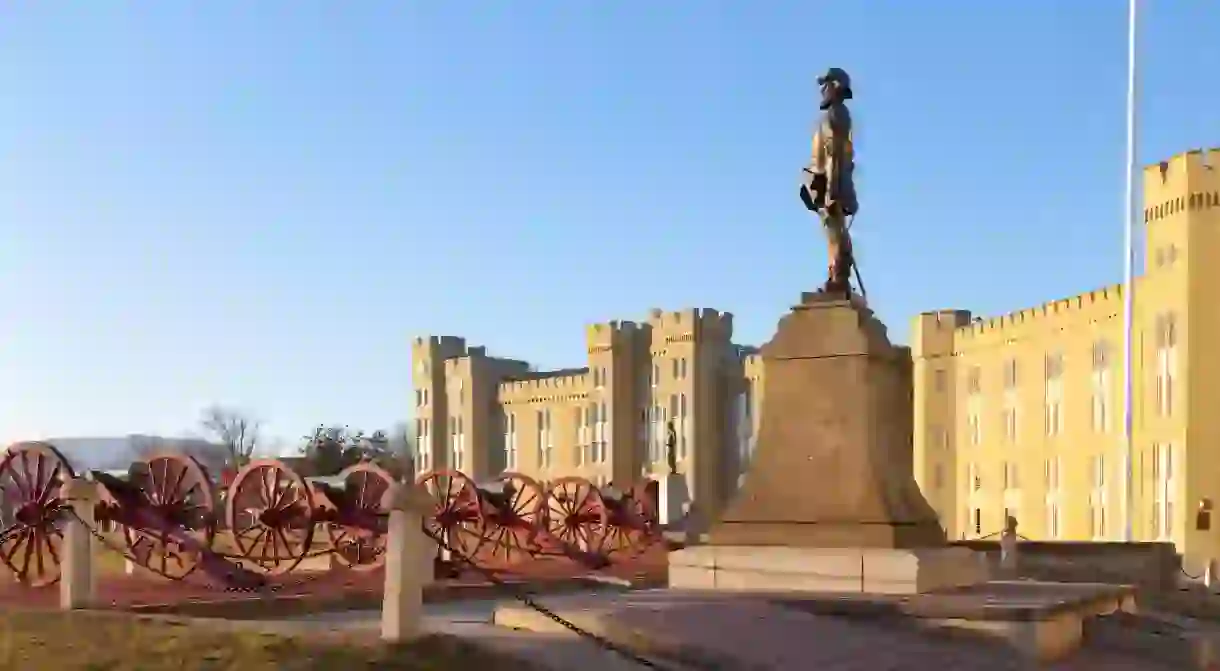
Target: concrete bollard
[
  {"x": 408, "y": 566},
  {"x": 1210, "y": 576},
  {"x": 78, "y": 580},
  {"x": 1008, "y": 549}
]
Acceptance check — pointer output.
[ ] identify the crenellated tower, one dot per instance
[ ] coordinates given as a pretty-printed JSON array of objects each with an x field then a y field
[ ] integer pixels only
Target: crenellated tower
[
  {"x": 611, "y": 414},
  {"x": 432, "y": 400},
  {"x": 935, "y": 386},
  {"x": 689, "y": 383}
]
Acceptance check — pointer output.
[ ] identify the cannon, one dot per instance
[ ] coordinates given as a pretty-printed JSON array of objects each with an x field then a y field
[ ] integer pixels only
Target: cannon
[
  {"x": 596, "y": 523},
  {"x": 494, "y": 524},
  {"x": 273, "y": 515},
  {"x": 32, "y": 476},
  {"x": 632, "y": 521},
  {"x": 162, "y": 511}
]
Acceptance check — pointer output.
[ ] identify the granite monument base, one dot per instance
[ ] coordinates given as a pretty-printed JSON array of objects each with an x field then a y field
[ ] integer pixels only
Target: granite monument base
[{"x": 825, "y": 570}]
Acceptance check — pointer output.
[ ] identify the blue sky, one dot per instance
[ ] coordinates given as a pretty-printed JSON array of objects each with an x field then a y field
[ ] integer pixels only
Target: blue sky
[{"x": 261, "y": 203}]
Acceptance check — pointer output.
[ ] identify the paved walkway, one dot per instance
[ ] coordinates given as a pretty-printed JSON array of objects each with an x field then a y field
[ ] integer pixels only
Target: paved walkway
[{"x": 735, "y": 635}]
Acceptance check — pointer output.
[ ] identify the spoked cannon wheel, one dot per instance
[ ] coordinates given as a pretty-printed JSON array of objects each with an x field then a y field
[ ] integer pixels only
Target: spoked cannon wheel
[
  {"x": 457, "y": 521},
  {"x": 361, "y": 545},
  {"x": 576, "y": 515},
  {"x": 270, "y": 514},
  {"x": 176, "y": 492},
  {"x": 632, "y": 524},
  {"x": 32, "y": 476},
  {"x": 514, "y": 518}
]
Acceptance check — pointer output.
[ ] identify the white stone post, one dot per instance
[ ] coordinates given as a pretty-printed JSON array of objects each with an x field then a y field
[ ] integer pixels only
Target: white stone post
[
  {"x": 408, "y": 566},
  {"x": 1008, "y": 549},
  {"x": 78, "y": 581},
  {"x": 1210, "y": 577}
]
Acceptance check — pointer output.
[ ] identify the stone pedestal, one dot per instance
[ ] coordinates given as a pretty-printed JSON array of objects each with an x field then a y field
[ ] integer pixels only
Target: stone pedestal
[
  {"x": 673, "y": 498},
  {"x": 831, "y": 488}
]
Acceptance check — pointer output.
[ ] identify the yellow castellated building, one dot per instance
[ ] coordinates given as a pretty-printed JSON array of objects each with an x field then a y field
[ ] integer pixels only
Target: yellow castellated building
[
  {"x": 1022, "y": 413},
  {"x": 605, "y": 421}
]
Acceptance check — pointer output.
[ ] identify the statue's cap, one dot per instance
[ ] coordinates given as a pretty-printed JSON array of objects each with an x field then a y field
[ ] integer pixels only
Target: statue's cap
[{"x": 838, "y": 76}]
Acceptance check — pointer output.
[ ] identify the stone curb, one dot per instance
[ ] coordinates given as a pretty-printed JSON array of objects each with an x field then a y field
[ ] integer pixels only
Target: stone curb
[{"x": 253, "y": 608}]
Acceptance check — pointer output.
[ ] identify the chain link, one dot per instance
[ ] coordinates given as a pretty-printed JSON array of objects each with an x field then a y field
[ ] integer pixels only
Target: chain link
[{"x": 515, "y": 591}]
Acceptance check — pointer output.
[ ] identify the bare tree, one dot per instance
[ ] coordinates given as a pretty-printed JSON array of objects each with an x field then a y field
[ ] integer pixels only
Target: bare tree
[{"x": 236, "y": 430}]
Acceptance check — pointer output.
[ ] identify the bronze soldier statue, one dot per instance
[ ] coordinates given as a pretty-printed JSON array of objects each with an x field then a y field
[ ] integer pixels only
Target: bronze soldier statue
[
  {"x": 671, "y": 445},
  {"x": 827, "y": 187}
]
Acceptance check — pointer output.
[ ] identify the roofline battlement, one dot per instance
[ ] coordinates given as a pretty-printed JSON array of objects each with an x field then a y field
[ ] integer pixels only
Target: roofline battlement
[
  {"x": 1184, "y": 163},
  {"x": 1060, "y": 307},
  {"x": 549, "y": 382},
  {"x": 447, "y": 347},
  {"x": 695, "y": 320},
  {"x": 605, "y": 335}
]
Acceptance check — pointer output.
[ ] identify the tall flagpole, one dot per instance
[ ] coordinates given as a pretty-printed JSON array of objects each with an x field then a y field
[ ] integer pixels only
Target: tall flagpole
[{"x": 1130, "y": 220}]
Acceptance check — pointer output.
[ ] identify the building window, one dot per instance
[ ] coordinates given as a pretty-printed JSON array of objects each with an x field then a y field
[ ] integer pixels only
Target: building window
[
  {"x": 978, "y": 521},
  {"x": 1166, "y": 362},
  {"x": 974, "y": 423},
  {"x": 657, "y": 445},
  {"x": 974, "y": 382},
  {"x": 1050, "y": 481},
  {"x": 582, "y": 434},
  {"x": 1010, "y": 375},
  {"x": 1101, "y": 388},
  {"x": 938, "y": 380},
  {"x": 510, "y": 441},
  {"x": 656, "y": 374},
  {"x": 1052, "y": 520},
  {"x": 1163, "y": 491},
  {"x": 1010, "y": 410},
  {"x": 972, "y": 477},
  {"x": 1010, "y": 476},
  {"x": 457, "y": 444},
  {"x": 423, "y": 446},
  {"x": 1053, "y": 395},
  {"x": 938, "y": 476},
  {"x": 1098, "y": 501},
  {"x": 1010, "y": 419},
  {"x": 545, "y": 448},
  {"x": 601, "y": 437}
]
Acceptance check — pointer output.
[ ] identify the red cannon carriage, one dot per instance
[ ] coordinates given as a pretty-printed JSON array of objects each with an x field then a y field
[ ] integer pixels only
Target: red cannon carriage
[
  {"x": 494, "y": 524},
  {"x": 273, "y": 515},
  {"x": 162, "y": 513},
  {"x": 602, "y": 522}
]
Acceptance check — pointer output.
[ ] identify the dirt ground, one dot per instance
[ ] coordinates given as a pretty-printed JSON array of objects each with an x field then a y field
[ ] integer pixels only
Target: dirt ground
[{"x": 55, "y": 641}]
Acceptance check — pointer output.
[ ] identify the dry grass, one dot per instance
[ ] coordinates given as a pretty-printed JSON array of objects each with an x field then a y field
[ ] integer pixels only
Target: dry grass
[{"x": 55, "y": 641}]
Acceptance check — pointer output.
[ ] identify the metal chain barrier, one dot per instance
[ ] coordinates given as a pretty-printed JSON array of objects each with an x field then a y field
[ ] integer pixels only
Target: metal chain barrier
[{"x": 515, "y": 591}]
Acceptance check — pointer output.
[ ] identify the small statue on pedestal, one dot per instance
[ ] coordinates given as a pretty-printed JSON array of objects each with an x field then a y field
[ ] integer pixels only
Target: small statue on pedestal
[
  {"x": 827, "y": 186},
  {"x": 671, "y": 445}
]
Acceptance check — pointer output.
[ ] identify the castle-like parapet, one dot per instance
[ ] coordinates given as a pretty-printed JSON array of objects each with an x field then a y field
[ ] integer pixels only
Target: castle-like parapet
[
  {"x": 932, "y": 332},
  {"x": 1097, "y": 305},
  {"x": 610, "y": 335},
  {"x": 444, "y": 347},
  {"x": 692, "y": 323},
  {"x": 545, "y": 386},
  {"x": 1182, "y": 183}
]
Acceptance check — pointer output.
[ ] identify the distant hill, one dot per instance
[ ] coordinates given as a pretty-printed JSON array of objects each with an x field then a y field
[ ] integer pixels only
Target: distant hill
[{"x": 113, "y": 453}]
